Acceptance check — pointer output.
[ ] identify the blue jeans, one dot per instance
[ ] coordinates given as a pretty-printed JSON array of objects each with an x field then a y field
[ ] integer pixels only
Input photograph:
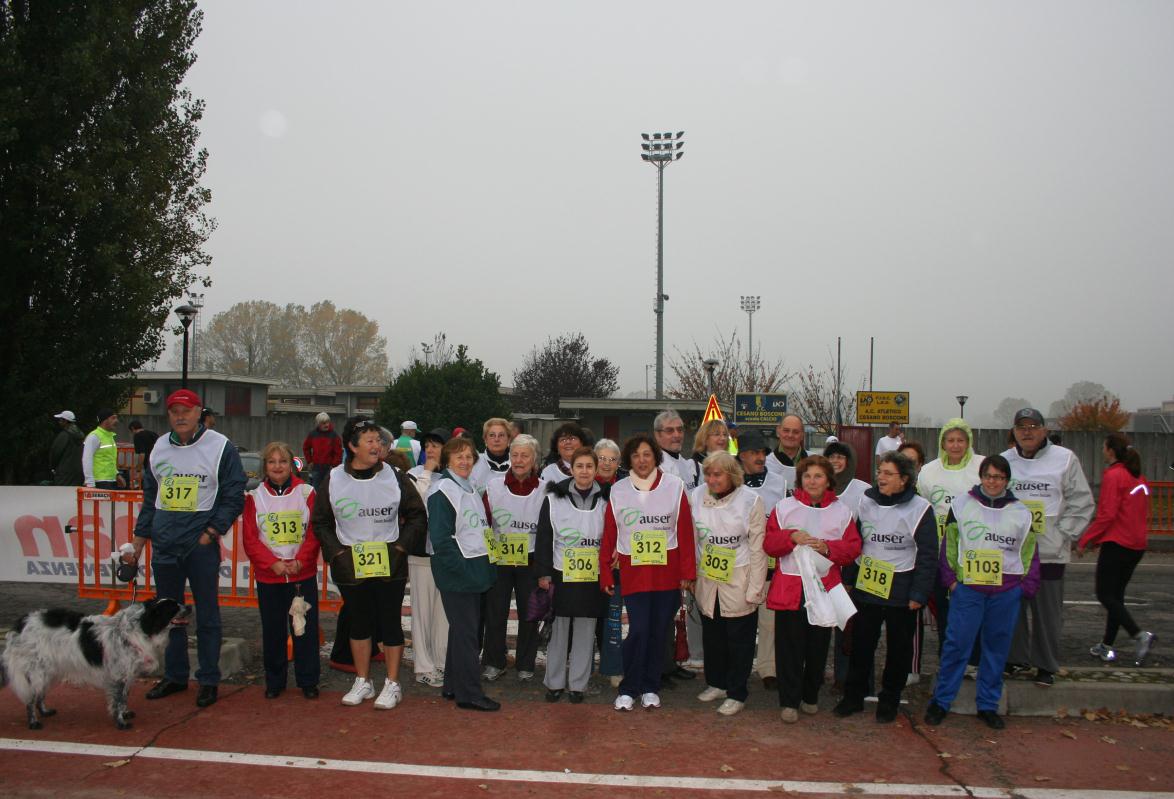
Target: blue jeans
[
  {"x": 972, "y": 612},
  {"x": 201, "y": 570}
]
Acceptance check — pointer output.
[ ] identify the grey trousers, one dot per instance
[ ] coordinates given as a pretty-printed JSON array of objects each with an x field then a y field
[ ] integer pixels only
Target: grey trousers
[
  {"x": 764, "y": 664},
  {"x": 1041, "y": 645},
  {"x": 581, "y": 642}
]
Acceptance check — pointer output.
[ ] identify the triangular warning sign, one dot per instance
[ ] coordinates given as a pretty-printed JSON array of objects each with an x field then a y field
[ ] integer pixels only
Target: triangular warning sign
[{"x": 712, "y": 411}]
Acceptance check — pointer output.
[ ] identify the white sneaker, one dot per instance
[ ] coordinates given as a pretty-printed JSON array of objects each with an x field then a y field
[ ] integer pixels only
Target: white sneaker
[
  {"x": 710, "y": 693},
  {"x": 730, "y": 707},
  {"x": 1145, "y": 642},
  {"x": 491, "y": 673},
  {"x": 525, "y": 676},
  {"x": 625, "y": 702},
  {"x": 913, "y": 679},
  {"x": 649, "y": 701},
  {"x": 1104, "y": 653},
  {"x": 390, "y": 696},
  {"x": 360, "y": 692},
  {"x": 432, "y": 679},
  {"x": 971, "y": 672}
]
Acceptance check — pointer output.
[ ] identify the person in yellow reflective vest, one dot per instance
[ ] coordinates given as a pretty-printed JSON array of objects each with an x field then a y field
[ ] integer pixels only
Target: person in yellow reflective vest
[{"x": 100, "y": 454}]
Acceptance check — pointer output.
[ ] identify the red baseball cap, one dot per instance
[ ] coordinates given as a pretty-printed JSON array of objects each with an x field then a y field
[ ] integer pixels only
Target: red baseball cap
[{"x": 185, "y": 396}]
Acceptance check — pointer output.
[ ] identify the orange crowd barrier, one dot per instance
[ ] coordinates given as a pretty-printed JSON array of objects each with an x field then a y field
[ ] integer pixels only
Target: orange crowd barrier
[
  {"x": 126, "y": 463},
  {"x": 1161, "y": 508},
  {"x": 106, "y": 520}
]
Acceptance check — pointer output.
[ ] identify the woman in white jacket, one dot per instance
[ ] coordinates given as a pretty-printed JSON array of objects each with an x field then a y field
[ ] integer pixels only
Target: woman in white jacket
[{"x": 731, "y": 577}]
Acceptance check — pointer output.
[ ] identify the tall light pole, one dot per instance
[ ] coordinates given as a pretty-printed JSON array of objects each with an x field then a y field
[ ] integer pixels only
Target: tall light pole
[
  {"x": 196, "y": 301},
  {"x": 186, "y": 314},
  {"x": 750, "y": 304},
  {"x": 962, "y": 405},
  {"x": 709, "y": 364},
  {"x": 647, "y": 366},
  {"x": 660, "y": 150}
]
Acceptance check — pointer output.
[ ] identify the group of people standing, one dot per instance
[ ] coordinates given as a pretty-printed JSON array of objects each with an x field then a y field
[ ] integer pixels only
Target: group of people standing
[{"x": 774, "y": 548}]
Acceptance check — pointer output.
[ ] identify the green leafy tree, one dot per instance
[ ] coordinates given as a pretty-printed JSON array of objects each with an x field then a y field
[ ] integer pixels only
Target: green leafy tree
[
  {"x": 562, "y": 368},
  {"x": 458, "y": 393},
  {"x": 102, "y": 222}
]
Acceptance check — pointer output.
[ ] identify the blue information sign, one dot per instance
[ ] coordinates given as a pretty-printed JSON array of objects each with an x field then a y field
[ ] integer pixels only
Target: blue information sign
[{"x": 759, "y": 410}]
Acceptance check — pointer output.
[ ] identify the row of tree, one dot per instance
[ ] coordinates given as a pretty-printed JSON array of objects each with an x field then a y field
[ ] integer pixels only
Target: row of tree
[{"x": 1084, "y": 406}]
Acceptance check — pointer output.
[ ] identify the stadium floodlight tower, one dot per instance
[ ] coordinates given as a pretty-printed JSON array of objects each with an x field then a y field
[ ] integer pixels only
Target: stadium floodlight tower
[
  {"x": 660, "y": 150},
  {"x": 750, "y": 304}
]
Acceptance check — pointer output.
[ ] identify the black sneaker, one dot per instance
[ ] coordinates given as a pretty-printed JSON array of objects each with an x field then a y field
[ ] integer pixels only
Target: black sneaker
[
  {"x": 554, "y": 694},
  {"x": 992, "y": 719},
  {"x": 1045, "y": 679},
  {"x": 935, "y": 714},
  {"x": 1016, "y": 669}
]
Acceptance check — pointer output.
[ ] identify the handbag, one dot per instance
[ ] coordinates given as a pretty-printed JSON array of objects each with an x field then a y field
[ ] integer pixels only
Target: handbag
[
  {"x": 540, "y": 605},
  {"x": 681, "y": 652}
]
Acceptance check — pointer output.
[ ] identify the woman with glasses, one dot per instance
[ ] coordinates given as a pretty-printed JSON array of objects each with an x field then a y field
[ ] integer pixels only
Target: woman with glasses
[
  {"x": 566, "y": 438},
  {"x": 897, "y": 562},
  {"x": 988, "y": 563},
  {"x": 495, "y": 459}
]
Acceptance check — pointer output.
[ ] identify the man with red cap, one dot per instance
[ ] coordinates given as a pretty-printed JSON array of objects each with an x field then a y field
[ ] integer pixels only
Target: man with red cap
[{"x": 193, "y": 490}]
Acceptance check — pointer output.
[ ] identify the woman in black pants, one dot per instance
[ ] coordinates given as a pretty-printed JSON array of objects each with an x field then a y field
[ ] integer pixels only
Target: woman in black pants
[{"x": 1119, "y": 529}]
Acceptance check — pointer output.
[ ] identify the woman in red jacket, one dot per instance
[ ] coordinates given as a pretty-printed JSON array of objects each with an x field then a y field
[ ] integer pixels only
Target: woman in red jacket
[
  {"x": 1119, "y": 529},
  {"x": 813, "y": 517},
  {"x": 648, "y": 528},
  {"x": 283, "y": 551}
]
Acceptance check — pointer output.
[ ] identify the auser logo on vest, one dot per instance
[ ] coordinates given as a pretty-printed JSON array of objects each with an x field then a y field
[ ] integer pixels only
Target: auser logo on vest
[
  {"x": 473, "y": 519},
  {"x": 570, "y": 535},
  {"x": 165, "y": 469},
  {"x": 994, "y": 538},
  {"x": 346, "y": 508},
  {"x": 628, "y": 515},
  {"x": 703, "y": 532},
  {"x": 725, "y": 541},
  {"x": 974, "y": 530},
  {"x": 518, "y": 524},
  {"x": 502, "y": 516},
  {"x": 939, "y": 494},
  {"x": 1026, "y": 486},
  {"x": 866, "y": 529},
  {"x": 377, "y": 512},
  {"x": 654, "y": 519},
  {"x": 886, "y": 538}
]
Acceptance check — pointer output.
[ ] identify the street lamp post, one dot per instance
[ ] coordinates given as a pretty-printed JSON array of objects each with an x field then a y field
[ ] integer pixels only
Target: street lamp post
[
  {"x": 962, "y": 405},
  {"x": 660, "y": 150},
  {"x": 196, "y": 301},
  {"x": 750, "y": 304},
  {"x": 647, "y": 366},
  {"x": 709, "y": 364},
  {"x": 186, "y": 314}
]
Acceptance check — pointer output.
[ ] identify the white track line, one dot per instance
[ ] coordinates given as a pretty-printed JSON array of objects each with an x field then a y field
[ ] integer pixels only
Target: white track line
[{"x": 561, "y": 777}]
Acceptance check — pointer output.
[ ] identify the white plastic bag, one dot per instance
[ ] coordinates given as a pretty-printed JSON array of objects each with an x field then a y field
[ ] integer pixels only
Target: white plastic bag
[
  {"x": 297, "y": 610},
  {"x": 824, "y": 608}
]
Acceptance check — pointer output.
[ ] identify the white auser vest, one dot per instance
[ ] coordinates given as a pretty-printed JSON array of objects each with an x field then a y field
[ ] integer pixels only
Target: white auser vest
[
  {"x": 888, "y": 531},
  {"x": 200, "y": 460},
  {"x": 1040, "y": 477},
  {"x": 940, "y": 485},
  {"x": 484, "y": 471},
  {"x": 365, "y": 510},
  {"x": 574, "y": 527},
  {"x": 683, "y": 467},
  {"x": 471, "y": 523},
  {"x": 1004, "y": 529},
  {"x": 776, "y": 466},
  {"x": 853, "y": 493},
  {"x": 773, "y": 489},
  {"x": 727, "y": 525},
  {"x": 513, "y": 513},
  {"x": 646, "y": 510},
  {"x": 293, "y": 500},
  {"x": 827, "y": 523}
]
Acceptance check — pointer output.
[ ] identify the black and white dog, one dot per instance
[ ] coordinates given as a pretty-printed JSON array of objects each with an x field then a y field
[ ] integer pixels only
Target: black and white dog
[{"x": 109, "y": 652}]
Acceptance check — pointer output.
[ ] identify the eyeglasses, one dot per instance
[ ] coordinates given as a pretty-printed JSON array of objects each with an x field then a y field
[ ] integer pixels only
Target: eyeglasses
[
  {"x": 671, "y": 430},
  {"x": 564, "y": 439},
  {"x": 888, "y": 473},
  {"x": 1002, "y": 478},
  {"x": 1027, "y": 427},
  {"x": 608, "y": 459}
]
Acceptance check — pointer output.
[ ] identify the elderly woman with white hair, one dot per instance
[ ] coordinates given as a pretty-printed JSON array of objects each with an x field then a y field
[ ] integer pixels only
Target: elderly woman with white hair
[
  {"x": 513, "y": 502},
  {"x": 731, "y": 577},
  {"x": 610, "y": 632}
]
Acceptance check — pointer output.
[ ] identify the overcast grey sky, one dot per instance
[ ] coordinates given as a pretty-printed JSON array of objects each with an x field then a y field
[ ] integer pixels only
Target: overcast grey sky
[{"x": 987, "y": 188}]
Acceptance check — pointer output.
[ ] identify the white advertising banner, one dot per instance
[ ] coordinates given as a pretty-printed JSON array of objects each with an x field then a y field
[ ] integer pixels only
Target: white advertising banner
[{"x": 39, "y": 539}]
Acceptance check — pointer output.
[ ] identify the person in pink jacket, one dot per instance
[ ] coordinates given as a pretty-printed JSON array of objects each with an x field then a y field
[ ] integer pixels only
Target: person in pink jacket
[
  {"x": 283, "y": 554},
  {"x": 813, "y": 517},
  {"x": 1119, "y": 529}
]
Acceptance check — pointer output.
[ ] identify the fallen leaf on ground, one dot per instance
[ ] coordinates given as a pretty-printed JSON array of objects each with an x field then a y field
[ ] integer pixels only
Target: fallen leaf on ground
[
  {"x": 1068, "y": 734},
  {"x": 1109, "y": 740},
  {"x": 1038, "y": 778},
  {"x": 727, "y": 767},
  {"x": 944, "y": 754},
  {"x": 1088, "y": 714},
  {"x": 1122, "y": 768},
  {"x": 115, "y": 763}
]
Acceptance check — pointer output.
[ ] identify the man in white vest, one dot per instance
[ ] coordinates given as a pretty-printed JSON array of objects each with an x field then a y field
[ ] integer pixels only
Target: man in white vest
[
  {"x": 791, "y": 435},
  {"x": 193, "y": 490},
  {"x": 1048, "y": 479}
]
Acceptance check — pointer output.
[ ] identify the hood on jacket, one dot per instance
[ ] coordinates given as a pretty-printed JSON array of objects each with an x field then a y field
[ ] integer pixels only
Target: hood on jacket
[
  {"x": 956, "y": 424},
  {"x": 562, "y": 488},
  {"x": 845, "y": 477}
]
